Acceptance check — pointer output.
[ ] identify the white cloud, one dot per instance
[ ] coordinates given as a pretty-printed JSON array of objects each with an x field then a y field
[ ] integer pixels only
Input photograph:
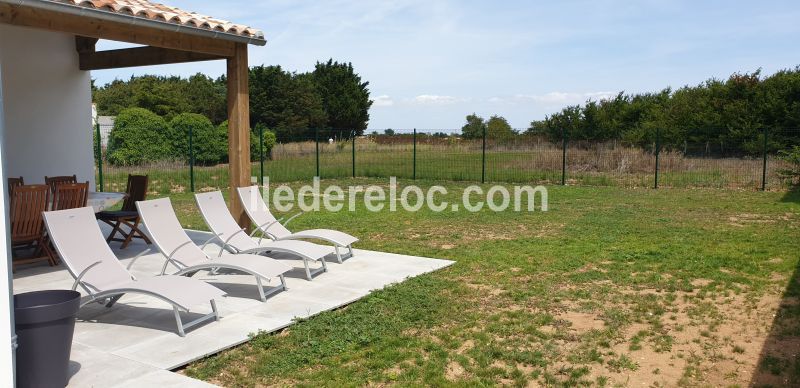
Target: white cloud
[
  {"x": 554, "y": 98},
  {"x": 432, "y": 99},
  {"x": 382, "y": 100}
]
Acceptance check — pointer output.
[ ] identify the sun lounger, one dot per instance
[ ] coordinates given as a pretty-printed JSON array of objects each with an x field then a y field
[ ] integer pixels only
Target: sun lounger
[
  {"x": 235, "y": 239},
  {"x": 80, "y": 243},
  {"x": 271, "y": 227},
  {"x": 167, "y": 234}
]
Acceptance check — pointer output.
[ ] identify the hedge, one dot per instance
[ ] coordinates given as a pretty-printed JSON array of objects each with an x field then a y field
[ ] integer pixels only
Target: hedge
[
  {"x": 138, "y": 136},
  {"x": 208, "y": 141}
]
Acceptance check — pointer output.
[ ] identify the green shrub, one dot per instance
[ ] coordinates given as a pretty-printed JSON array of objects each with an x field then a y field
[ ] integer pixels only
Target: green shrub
[
  {"x": 269, "y": 141},
  {"x": 208, "y": 141},
  {"x": 792, "y": 156},
  {"x": 138, "y": 136}
]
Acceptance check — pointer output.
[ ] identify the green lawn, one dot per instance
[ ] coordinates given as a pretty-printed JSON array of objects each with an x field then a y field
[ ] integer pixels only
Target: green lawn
[{"x": 610, "y": 287}]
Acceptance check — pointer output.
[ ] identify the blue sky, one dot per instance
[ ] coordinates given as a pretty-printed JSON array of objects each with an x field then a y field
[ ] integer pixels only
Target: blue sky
[{"x": 430, "y": 63}]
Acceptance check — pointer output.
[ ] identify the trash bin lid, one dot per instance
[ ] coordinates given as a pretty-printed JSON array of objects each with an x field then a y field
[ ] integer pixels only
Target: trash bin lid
[{"x": 45, "y": 306}]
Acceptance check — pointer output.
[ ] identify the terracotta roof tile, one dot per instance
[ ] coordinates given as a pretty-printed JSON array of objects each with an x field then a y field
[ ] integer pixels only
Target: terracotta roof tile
[{"x": 160, "y": 12}]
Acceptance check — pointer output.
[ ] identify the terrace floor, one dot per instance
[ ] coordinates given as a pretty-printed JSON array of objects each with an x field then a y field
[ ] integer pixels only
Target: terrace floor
[{"x": 135, "y": 342}]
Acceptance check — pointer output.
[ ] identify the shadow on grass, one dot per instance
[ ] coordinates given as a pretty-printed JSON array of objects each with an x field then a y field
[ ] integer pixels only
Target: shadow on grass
[
  {"x": 793, "y": 195},
  {"x": 779, "y": 361}
]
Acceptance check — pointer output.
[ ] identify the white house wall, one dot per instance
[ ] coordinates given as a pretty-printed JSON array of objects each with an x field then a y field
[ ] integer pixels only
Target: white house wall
[
  {"x": 6, "y": 316},
  {"x": 47, "y": 106}
]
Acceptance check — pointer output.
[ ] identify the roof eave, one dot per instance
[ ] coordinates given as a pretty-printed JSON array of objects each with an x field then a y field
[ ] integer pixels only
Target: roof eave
[{"x": 135, "y": 20}]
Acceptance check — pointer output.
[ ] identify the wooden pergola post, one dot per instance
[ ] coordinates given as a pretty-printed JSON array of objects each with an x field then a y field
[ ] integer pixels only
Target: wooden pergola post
[{"x": 238, "y": 130}]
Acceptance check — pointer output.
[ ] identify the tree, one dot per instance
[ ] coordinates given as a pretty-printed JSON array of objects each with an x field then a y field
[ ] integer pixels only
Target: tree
[
  {"x": 345, "y": 98},
  {"x": 498, "y": 128},
  {"x": 388, "y": 132},
  {"x": 207, "y": 140},
  {"x": 269, "y": 142},
  {"x": 138, "y": 136},
  {"x": 725, "y": 115},
  {"x": 288, "y": 103},
  {"x": 474, "y": 128},
  {"x": 207, "y": 97},
  {"x": 165, "y": 96}
]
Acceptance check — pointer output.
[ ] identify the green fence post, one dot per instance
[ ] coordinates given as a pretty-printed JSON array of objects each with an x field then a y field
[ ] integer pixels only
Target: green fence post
[
  {"x": 563, "y": 157},
  {"x": 99, "y": 155},
  {"x": 764, "y": 168},
  {"x": 483, "y": 157},
  {"x": 353, "y": 134},
  {"x": 414, "y": 161},
  {"x": 191, "y": 161},
  {"x": 658, "y": 151},
  {"x": 261, "y": 154},
  {"x": 316, "y": 140}
]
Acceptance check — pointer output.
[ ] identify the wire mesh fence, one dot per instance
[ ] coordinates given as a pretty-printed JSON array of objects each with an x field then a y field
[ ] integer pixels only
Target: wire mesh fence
[{"x": 445, "y": 155}]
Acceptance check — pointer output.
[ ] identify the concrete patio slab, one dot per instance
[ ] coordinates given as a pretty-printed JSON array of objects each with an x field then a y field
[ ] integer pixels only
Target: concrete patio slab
[{"x": 135, "y": 342}]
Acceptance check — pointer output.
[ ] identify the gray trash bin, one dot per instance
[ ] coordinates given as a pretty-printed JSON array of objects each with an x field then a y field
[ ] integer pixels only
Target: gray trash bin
[{"x": 44, "y": 323}]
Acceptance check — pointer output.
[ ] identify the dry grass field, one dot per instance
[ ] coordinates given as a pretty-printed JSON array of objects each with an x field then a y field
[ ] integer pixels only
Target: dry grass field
[{"x": 451, "y": 159}]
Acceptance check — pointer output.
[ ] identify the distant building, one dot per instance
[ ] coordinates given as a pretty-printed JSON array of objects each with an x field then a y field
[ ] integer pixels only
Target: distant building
[{"x": 106, "y": 123}]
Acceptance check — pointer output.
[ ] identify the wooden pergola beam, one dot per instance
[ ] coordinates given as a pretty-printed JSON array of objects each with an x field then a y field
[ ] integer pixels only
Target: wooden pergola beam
[
  {"x": 84, "y": 44},
  {"x": 112, "y": 30},
  {"x": 139, "y": 56},
  {"x": 238, "y": 131}
]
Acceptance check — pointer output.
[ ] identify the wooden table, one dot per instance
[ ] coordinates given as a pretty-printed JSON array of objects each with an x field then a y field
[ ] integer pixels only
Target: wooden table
[{"x": 103, "y": 200}]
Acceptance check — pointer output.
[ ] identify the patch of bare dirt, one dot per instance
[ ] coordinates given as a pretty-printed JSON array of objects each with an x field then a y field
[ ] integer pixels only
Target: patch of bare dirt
[
  {"x": 467, "y": 345},
  {"x": 701, "y": 282},
  {"x": 581, "y": 322},
  {"x": 716, "y": 341},
  {"x": 454, "y": 371}
]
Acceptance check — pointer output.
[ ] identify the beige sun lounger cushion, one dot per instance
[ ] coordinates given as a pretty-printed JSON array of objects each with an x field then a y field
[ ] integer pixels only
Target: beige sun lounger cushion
[
  {"x": 219, "y": 220},
  {"x": 259, "y": 213},
  {"x": 80, "y": 243},
  {"x": 168, "y": 235}
]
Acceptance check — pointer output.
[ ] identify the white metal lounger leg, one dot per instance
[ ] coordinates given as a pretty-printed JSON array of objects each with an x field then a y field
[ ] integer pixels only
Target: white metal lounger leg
[
  {"x": 273, "y": 290},
  {"x": 260, "y": 289},
  {"x": 178, "y": 321},
  {"x": 283, "y": 282},
  {"x": 338, "y": 255},
  {"x": 113, "y": 300},
  {"x": 214, "y": 314},
  {"x": 310, "y": 273}
]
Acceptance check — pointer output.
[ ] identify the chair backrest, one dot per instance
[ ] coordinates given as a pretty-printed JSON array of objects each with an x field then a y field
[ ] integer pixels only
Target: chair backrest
[
  {"x": 167, "y": 233},
  {"x": 80, "y": 243},
  {"x": 14, "y": 183},
  {"x": 136, "y": 190},
  {"x": 27, "y": 204},
  {"x": 257, "y": 210},
  {"x": 54, "y": 181},
  {"x": 70, "y": 196},
  {"x": 219, "y": 220}
]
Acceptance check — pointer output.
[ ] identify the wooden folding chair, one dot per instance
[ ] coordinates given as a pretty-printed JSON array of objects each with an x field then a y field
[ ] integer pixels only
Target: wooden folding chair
[
  {"x": 128, "y": 216},
  {"x": 27, "y": 225},
  {"x": 70, "y": 196},
  {"x": 54, "y": 181},
  {"x": 14, "y": 182}
]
